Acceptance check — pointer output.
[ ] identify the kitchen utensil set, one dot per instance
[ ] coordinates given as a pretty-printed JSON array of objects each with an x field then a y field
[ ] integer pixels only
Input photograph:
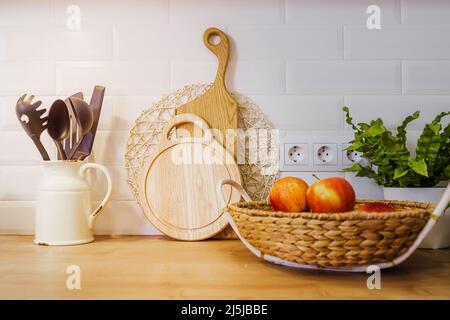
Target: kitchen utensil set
[{"x": 72, "y": 122}]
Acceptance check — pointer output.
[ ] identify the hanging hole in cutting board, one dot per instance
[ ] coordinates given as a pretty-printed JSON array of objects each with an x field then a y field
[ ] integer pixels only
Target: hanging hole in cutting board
[{"x": 214, "y": 39}]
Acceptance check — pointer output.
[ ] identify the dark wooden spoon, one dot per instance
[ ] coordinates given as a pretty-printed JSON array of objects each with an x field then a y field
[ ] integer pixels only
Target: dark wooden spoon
[
  {"x": 85, "y": 119},
  {"x": 58, "y": 125}
]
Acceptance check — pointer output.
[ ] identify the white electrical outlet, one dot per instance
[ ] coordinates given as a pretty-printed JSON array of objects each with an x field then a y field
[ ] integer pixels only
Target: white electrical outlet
[
  {"x": 296, "y": 154},
  {"x": 351, "y": 157},
  {"x": 325, "y": 154},
  {"x": 307, "y": 151}
]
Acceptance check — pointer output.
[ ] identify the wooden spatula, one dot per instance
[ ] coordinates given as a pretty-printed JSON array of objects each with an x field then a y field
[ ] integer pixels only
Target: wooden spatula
[
  {"x": 95, "y": 104},
  {"x": 216, "y": 106}
]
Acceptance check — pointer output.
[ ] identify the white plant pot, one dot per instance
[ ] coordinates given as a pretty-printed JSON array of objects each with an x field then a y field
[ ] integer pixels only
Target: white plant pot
[{"x": 439, "y": 236}]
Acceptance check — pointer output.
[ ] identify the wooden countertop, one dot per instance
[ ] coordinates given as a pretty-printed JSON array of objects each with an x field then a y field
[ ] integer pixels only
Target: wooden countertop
[{"x": 146, "y": 267}]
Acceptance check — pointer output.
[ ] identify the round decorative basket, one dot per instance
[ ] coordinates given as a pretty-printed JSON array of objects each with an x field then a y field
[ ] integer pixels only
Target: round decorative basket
[{"x": 348, "y": 241}]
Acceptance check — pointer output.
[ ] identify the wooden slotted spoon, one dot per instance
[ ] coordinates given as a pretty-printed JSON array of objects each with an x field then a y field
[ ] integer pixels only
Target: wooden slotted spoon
[{"x": 32, "y": 121}]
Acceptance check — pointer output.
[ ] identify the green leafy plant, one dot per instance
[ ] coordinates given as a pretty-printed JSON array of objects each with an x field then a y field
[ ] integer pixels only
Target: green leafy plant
[{"x": 390, "y": 162}]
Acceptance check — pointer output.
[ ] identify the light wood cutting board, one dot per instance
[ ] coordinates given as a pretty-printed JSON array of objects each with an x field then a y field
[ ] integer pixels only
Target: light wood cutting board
[
  {"x": 177, "y": 190},
  {"x": 216, "y": 106}
]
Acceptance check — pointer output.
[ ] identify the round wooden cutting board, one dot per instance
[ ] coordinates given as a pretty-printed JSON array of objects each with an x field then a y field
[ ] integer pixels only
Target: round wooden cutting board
[{"x": 179, "y": 180}]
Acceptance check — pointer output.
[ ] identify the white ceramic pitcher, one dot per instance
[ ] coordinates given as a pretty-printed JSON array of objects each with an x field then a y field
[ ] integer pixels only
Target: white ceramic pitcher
[{"x": 63, "y": 204}]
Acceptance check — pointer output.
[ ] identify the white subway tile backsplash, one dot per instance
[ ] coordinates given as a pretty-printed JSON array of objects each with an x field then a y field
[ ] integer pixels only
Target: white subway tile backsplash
[
  {"x": 244, "y": 76},
  {"x": 17, "y": 217},
  {"x": 254, "y": 77},
  {"x": 183, "y": 73},
  {"x": 426, "y": 77},
  {"x": 26, "y": 13},
  {"x": 286, "y": 42},
  {"x": 120, "y": 78},
  {"x": 128, "y": 108},
  {"x": 17, "y": 78},
  {"x": 162, "y": 42},
  {"x": 113, "y": 12},
  {"x": 293, "y": 112},
  {"x": 118, "y": 218},
  {"x": 430, "y": 12},
  {"x": 13, "y": 41},
  {"x": 394, "y": 109},
  {"x": 330, "y": 12},
  {"x": 399, "y": 42},
  {"x": 49, "y": 44},
  {"x": 25, "y": 178},
  {"x": 227, "y": 11},
  {"x": 124, "y": 218},
  {"x": 343, "y": 77},
  {"x": 109, "y": 147},
  {"x": 83, "y": 45}
]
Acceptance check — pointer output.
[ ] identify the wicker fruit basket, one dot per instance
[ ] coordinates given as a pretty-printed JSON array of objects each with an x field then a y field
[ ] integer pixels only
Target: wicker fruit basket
[{"x": 349, "y": 241}]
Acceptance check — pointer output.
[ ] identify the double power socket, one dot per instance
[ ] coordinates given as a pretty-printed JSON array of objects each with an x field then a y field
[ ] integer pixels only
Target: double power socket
[{"x": 314, "y": 152}]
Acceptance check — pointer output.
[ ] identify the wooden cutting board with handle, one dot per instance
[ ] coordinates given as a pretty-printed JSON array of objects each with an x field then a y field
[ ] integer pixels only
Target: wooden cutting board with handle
[
  {"x": 177, "y": 190},
  {"x": 216, "y": 106}
]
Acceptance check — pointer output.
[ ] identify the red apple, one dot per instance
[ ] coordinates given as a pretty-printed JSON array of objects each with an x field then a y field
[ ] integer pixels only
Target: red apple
[
  {"x": 375, "y": 207},
  {"x": 331, "y": 195},
  {"x": 289, "y": 195}
]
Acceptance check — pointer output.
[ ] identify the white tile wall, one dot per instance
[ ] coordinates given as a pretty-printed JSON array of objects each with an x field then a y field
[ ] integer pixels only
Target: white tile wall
[
  {"x": 266, "y": 12},
  {"x": 114, "y": 12},
  {"x": 329, "y": 12},
  {"x": 430, "y": 12},
  {"x": 299, "y": 60},
  {"x": 343, "y": 77},
  {"x": 56, "y": 43},
  {"x": 426, "y": 77},
  {"x": 397, "y": 42},
  {"x": 366, "y": 108},
  {"x": 286, "y": 42}
]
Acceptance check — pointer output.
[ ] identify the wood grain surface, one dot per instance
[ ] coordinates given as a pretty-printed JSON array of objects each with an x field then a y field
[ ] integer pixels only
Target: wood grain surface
[
  {"x": 178, "y": 183},
  {"x": 150, "y": 267},
  {"x": 216, "y": 106}
]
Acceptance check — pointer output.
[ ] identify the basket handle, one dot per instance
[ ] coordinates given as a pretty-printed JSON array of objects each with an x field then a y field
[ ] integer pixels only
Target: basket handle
[
  {"x": 221, "y": 197},
  {"x": 435, "y": 216},
  {"x": 223, "y": 207}
]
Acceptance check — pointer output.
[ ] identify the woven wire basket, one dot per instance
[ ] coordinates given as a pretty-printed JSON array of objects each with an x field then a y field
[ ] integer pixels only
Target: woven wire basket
[{"x": 349, "y": 241}]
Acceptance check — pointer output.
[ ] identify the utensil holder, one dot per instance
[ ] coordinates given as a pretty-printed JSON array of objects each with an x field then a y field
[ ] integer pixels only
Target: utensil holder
[{"x": 63, "y": 203}]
